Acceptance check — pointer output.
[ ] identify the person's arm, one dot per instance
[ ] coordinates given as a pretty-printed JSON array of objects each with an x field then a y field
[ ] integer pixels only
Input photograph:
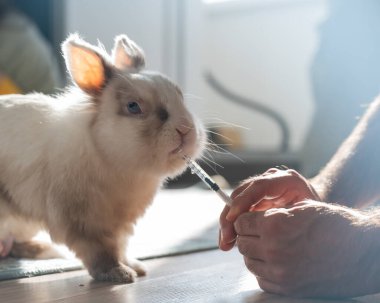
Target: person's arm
[
  {"x": 311, "y": 248},
  {"x": 352, "y": 177}
]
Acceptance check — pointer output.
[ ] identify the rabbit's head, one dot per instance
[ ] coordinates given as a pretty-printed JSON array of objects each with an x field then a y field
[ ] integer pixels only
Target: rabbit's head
[{"x": 140, "y": 120}]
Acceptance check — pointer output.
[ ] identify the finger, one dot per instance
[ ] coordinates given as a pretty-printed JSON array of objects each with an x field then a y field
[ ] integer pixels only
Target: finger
[
  {"x": 251, "y": 247},
  {"x": 253, "y": 193},
  {"x": 313, "y": 194},
  {"x": 263, "y": 205},
  {"x": 270, "y": 171},
  {"x": 268, "y": 186},
  {"x": 248, "y": 224},
  {"x": 227, "y": 234},
  {"x": 222, "y": 217},
  {"x": 288, "y": 198},
  {"x": 242, "y": 187},
  {"x": 225, "y": 245}
]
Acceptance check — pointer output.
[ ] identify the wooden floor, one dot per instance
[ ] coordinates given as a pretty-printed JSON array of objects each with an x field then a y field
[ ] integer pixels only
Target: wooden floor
[{"x": 211, "y": 276}]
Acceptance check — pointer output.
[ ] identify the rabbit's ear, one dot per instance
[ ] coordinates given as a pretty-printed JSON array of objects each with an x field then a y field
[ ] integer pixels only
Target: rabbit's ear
[
  {"x": 127, "y": 55},
  {"x": 87, "y": 66}
]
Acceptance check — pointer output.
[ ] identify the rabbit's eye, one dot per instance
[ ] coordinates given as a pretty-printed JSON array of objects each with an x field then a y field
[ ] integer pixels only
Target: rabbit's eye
[{"x": 133, "y": 108}]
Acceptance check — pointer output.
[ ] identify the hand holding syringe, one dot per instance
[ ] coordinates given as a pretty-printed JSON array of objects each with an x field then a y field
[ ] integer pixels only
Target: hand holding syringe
[{"x": 196, "y": 169}]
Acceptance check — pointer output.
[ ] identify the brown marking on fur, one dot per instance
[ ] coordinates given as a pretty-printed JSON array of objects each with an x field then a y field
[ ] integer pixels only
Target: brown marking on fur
[{"x": 162, "y": 114}]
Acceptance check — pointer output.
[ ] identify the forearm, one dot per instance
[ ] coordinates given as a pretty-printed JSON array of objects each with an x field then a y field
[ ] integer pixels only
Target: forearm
[{"x": 352, "y": 177}]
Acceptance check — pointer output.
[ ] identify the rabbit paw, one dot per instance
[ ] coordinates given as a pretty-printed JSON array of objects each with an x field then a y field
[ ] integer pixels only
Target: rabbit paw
[
  {"x": 137, "y": 265},
  {"x": 119, "y": 274}
]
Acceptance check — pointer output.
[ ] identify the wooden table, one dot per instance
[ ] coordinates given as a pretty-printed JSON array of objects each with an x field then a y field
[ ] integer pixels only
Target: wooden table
[{"x": 209, "y": 276}]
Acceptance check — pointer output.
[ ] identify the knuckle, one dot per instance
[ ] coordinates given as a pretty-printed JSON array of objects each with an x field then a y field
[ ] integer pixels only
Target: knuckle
[
  {"x": 271, "y": 170},
  {"x": 250, "y": 265},
  {"x": 242, "y": 249},
  {"x": 242, "y": 246},
  {"x": 293, "y": 172}
]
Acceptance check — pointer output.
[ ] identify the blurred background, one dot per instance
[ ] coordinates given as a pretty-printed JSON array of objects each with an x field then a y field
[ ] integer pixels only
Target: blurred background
[{"x": 275, "y": 81}]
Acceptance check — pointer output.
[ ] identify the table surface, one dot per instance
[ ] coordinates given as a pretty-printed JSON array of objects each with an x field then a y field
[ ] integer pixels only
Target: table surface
[{"x": 209, "y": 276}]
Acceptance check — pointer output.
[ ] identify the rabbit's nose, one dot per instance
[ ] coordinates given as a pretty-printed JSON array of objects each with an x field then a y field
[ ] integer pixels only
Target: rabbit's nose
[{"x": 184, "y": 127}]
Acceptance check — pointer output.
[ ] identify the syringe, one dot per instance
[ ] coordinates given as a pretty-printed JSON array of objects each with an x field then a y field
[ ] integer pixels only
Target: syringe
[{"x": 196, "y": 169}]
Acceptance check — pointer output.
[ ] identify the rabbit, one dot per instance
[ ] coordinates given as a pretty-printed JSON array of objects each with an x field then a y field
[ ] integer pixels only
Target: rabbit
[{"x": 86, "y": 164}]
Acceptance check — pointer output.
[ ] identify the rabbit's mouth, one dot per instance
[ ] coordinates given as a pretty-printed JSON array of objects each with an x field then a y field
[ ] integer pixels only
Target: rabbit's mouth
[
  {"x": 180, "y": 146},
  {"x": 187, "y": 145},
  {"x": 178, "y": 149}
]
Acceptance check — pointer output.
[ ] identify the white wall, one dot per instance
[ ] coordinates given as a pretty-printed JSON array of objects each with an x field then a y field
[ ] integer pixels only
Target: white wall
[
  {"x": 263, "y": 50},
  {"x": 103, "y": 20}
]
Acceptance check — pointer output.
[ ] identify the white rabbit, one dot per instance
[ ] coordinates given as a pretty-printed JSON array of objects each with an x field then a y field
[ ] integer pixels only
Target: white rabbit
[{"x": 85, "y": 165}]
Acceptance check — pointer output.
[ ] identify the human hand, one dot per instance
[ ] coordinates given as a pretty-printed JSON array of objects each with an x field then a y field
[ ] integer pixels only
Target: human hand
[
  {"x": 311, "y": 249},
  {"x": 274, "y": 188}
]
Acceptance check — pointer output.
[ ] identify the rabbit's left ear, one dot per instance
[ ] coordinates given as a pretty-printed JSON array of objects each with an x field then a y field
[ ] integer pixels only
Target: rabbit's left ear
[
  {"x": 127, "y": 55},
  {"x": 87, "y": 66}
]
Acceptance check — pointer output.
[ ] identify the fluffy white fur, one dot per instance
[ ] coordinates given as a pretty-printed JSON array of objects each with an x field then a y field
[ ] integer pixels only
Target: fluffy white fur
[{"x": 82, "y": 166}]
